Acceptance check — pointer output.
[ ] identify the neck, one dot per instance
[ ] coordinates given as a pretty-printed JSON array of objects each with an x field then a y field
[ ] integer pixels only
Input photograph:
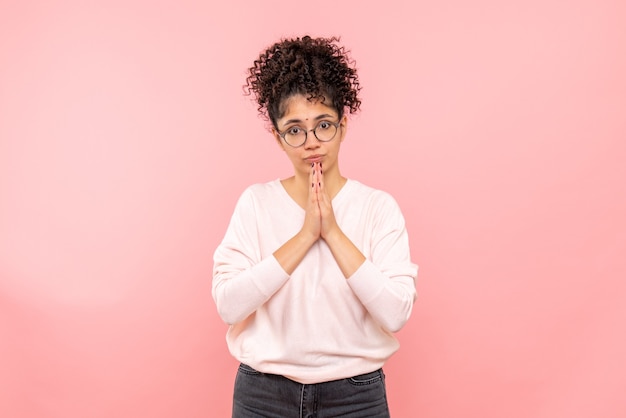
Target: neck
[{"x": 298, "y": 186}]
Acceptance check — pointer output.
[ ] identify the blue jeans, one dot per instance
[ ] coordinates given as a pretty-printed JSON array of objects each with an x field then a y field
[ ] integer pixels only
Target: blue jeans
[{"x": 273, "y": 396}]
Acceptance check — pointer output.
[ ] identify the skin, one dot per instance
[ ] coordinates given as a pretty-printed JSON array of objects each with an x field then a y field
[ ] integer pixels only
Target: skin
[{"x": 315, "y": 182}]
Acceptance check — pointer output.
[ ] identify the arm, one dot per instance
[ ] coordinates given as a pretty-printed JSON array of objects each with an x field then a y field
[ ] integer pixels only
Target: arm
[
  {"x": 348, "y": 257},
  {"x": 242, "y": 281},
  {"x": 386, "y": 283},
  {"x": 290, "y": 254}
]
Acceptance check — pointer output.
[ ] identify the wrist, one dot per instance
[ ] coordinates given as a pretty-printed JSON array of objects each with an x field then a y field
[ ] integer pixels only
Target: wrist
[
  {"x": 333, "y": 236},
  {"x": 306, "y": 238}
]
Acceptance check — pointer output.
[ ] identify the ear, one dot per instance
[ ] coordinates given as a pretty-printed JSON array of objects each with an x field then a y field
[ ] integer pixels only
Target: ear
[{"x": 343, "y": 122}]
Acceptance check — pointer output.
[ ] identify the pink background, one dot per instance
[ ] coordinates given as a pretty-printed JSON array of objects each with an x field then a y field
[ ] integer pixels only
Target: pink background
[{"x": 125, "y": 141}]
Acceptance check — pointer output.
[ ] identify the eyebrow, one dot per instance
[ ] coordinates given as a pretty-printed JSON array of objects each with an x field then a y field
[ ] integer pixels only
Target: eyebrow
[{"x": 322, "y": 116}]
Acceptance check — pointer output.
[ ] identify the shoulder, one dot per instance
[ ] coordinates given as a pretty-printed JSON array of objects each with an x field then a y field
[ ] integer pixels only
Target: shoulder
[
  {"x": 380, "y": 207},
  {"x": 258, "y": 193},
  {"x": 261, "y": 190},
  {"x": 370, "y": 195}
]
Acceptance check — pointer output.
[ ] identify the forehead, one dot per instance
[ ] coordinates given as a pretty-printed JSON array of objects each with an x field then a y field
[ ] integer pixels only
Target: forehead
[{"x": 300, "y": 108}]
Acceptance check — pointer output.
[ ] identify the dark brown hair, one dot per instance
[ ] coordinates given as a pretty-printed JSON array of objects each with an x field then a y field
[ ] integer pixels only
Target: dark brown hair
[{"x": 317, "y": 68}]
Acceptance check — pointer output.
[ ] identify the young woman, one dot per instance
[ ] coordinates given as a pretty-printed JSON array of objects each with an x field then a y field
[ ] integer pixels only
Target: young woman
[{"x": 314, "y": 273}]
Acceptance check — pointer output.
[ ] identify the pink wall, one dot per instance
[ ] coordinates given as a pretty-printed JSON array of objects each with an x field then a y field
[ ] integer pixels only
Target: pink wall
[{"x": 125, "y": 140}]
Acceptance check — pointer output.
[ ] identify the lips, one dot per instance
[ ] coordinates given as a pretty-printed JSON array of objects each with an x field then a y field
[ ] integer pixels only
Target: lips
[{"x": 314, "y": 158}]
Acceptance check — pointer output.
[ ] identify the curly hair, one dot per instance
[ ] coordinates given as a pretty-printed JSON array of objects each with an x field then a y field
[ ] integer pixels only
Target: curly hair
[{"x": 317, "y": 68}]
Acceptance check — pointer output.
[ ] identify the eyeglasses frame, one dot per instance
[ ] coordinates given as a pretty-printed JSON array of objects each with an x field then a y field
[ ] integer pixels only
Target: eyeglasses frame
[{"x": 306, "y": 134}]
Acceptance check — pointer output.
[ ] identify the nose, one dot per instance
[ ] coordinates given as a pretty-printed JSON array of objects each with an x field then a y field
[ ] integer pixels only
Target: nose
[{"x": 311, "y": 141}]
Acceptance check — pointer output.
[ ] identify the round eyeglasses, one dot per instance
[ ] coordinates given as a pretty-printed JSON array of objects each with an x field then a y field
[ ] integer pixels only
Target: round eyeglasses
[{"x": 296, "y": 136}]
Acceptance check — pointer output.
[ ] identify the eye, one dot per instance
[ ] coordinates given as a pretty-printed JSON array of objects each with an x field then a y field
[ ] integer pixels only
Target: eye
[
  {"x": 324, "y": 125},
  {"x": 294, "y": 130}
]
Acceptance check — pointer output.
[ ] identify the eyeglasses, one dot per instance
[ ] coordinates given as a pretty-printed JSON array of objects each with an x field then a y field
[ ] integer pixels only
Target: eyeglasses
[{"x": 296, "y": 136}]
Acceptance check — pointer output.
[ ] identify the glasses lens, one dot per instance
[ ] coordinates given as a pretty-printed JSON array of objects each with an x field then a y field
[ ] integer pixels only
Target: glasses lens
[
  {"x": 325, "y": 131},
  {"x": 295, "y": 137}
]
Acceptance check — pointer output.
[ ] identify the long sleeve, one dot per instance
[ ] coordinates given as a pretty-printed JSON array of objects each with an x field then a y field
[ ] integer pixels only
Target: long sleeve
[
  {"x": 242, "y": 280},
  {"x": 385, "y": 282}
]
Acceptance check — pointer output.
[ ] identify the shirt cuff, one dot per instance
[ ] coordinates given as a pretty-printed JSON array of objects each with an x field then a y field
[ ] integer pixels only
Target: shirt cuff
[
  {"x": 271, "y": 276},
  {"x": 367, "y": 282}
]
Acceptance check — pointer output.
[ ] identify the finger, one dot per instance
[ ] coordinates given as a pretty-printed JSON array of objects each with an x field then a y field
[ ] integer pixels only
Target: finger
[
  {"x": 317, "y": 180},
  {"x": 312, "y": 180},
  {"x": 322, "y": 186}
]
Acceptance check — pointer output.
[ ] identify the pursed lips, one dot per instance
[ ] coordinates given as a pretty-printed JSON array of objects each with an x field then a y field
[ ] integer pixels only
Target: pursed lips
[{"x": 314, "y": 158}]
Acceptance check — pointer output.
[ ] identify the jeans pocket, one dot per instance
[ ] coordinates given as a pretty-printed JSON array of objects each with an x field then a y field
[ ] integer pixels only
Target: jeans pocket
[
  {"x": 244, "y": 368},
  {"x": 367, "y": 378}
]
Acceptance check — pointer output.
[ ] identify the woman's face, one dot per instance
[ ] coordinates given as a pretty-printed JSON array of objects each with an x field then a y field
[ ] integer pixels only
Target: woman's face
[{"x": 307, "y": 115}]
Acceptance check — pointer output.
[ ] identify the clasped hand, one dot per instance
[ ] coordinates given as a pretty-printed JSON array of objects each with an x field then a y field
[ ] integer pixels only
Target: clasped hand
[{"x": 319, "y": 220}]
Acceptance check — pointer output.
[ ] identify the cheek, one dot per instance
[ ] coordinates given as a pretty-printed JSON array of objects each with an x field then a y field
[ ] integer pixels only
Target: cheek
[{"x": 293, "y": 156}]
